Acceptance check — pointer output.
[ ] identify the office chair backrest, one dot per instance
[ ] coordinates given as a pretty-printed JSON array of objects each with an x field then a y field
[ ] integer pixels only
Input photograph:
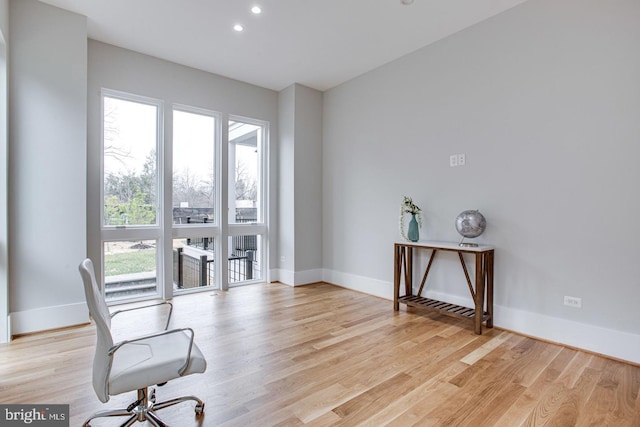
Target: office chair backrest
[{"x": 100, "y": 313}]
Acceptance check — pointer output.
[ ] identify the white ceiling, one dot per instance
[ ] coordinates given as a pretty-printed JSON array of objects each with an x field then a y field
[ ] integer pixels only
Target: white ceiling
[{"x": 317, "y": 43}]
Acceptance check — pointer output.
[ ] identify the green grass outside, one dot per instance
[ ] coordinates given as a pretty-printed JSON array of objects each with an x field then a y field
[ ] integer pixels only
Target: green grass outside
[{"x": 136, "y": 261}]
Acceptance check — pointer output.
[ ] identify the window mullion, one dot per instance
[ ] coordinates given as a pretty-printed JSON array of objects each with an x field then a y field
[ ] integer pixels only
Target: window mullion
[
  {"x": 166, "y": 185},
  {"x": 223, "y": 200}
]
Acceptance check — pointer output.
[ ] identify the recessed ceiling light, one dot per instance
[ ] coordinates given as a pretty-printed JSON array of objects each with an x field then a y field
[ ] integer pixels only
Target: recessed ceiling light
[
  {"x": 256, "y": 10},
  {"x": 407, "y": 1},
  {"x": 238, "y": 28}
]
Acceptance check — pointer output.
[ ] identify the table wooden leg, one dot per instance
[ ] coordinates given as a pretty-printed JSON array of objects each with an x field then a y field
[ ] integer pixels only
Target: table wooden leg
[
  {"x": 489, "y": 275},
  {"x": 408, "y": 273},
  {"x": 397, "y": 273},
  {"x": 479, "y": 297}
]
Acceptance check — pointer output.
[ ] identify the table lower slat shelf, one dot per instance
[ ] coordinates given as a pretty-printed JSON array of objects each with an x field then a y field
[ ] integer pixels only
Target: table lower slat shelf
[{"x": 441, "y": 307}]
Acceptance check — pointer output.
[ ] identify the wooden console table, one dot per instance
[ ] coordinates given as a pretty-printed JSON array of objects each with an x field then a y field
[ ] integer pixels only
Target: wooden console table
[{"x": 403, "y": 263}]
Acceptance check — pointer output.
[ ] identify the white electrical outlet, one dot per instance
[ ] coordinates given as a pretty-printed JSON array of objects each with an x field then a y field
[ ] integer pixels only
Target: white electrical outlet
[
  {"x": 457, "y": 160},
  {"x": 574, "y": 302}
]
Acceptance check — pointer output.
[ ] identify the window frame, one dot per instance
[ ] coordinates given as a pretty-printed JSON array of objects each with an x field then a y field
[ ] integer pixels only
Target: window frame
[
  {"x": 184, "y": 231},
  {"x": 159, "y": 155},
  {"x": 110, "y": 233},
  {"x": 259, "y": 228},
  {"x": 164, "y": 231}
]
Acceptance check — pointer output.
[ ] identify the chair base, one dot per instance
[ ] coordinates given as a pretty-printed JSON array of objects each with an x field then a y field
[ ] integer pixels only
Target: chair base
[{"x": 143, "y": 409}]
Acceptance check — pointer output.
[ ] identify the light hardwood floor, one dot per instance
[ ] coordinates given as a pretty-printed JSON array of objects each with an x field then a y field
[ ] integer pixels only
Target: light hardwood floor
[{"x": 321, "y": 355}]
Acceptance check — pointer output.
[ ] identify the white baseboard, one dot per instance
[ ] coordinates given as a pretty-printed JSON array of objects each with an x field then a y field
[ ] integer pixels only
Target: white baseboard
[
  {"x": 609, "y": 342},
  {"x": 296, "y": 278},
  {"x": 308, "y": 276},
  {"x": 366, "y": 285},
  {"x": 46, "y": 318}
]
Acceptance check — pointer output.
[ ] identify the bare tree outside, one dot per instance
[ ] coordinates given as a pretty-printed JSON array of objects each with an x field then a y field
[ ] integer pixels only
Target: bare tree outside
[
  {"x": 130, "y": 171},
  {"x": 246, "y": 185},
  {"x": 112, "y": 146},
  {"x": 191, "y": 189},
  {"x": 244, "y": 173}
]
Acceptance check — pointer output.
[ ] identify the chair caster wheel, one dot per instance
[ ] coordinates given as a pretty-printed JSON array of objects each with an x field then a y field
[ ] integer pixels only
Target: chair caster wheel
[
  {"x": 152, "y": 396},
  {"x": 199, "y": 409}
]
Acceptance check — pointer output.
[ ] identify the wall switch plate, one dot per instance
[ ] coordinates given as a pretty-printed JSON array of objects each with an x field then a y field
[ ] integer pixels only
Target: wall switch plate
[
  {"x": 453, "y": 160},
  {"x": 574, "y": 302},
  {"x": 462, "y": 159}
]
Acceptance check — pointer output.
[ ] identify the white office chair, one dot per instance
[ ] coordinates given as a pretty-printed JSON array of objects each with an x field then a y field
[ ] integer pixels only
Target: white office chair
[{"x": 137, "y": 363}]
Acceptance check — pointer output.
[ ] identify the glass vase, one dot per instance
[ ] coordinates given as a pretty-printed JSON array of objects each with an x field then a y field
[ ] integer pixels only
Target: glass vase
[{"x": 413, "y": 233}]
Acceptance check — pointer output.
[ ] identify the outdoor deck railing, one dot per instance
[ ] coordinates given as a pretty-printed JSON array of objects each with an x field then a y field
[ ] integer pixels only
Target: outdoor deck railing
[{"x": 191, "y": 272}]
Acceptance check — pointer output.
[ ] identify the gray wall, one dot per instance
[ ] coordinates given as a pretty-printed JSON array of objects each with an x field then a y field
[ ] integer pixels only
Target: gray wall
[
  {"x": 544, "y": 101},
  {"x": 286, "y": 186},
  {"x": 47, "y": 158},
  {"x": 308, "y": 179},
  {"x": 300, "y": 186},
  {"x": 4, "y": 232},
  {"x": 4, "y": 17}
]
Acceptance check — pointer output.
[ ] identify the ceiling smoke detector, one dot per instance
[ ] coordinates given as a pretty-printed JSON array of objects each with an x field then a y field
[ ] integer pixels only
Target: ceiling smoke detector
[{"x": 406, "y": 2}]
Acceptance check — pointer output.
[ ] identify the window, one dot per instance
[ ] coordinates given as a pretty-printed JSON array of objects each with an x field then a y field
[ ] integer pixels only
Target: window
[
  {"x": 245, "y": 172},
  {"x": 163, "y": 194},
  {"x": 193, "y": 167},
  {"x": 130, "y": 162},
  {"x": 130, "y": 192},
  {"x": 245, "y": 259},
  {"x": 130, "y": 269},
  {"x": 246, "y": 194},
  {"x": 193, "y": 263},
  {"x": 195, "y": 222}
]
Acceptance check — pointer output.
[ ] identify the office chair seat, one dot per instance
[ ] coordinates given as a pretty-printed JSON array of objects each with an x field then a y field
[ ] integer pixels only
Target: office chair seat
[{"x": 147, "y": 362}]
